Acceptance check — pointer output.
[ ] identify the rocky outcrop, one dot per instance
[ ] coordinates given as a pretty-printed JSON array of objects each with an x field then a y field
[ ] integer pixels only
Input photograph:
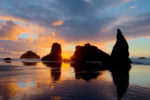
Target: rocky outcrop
[
  {"x": 55, "y": 54},
  {"x": 142, "y": 58},
  {"x": 30, "y": 55},
  {"x": 89, "y": 53},
  {"x": 7, "y": 60},
  {"x": 120, "y": 52}
]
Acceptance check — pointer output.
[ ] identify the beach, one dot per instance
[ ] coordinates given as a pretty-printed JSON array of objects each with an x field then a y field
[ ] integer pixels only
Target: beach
[{"x": 34, "y": 80}]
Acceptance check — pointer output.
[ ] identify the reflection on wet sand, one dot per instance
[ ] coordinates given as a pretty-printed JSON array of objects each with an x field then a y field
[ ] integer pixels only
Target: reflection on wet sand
[
  {"x": 87, "y": 71},
  {"x": 7, "y": 91},
  {"x": 120, "y": 75},
  {"x": 55, "y": 70},
  {"x": 65, "y": 81},
  {"x": 29, "y": 63},
  {"x": 7, "y": 61}
]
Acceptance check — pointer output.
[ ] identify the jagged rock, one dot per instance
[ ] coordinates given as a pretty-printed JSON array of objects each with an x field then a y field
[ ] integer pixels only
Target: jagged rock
[
  {"x": 55, "y": 54},
  {"x": 120, "y": 52},
  {"x": 89, "y": 53},
  {"x": 30, "y": 55}
]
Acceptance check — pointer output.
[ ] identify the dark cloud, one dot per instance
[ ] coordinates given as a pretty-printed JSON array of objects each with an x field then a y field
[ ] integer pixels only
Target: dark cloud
[
  {"x": 93, "y": 21},
  {"x": 83, "y": 19},
  {"x": 138, "y": 26}
]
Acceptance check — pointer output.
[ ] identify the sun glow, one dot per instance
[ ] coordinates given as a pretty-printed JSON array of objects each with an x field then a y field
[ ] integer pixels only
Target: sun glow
[
  {"x": 66, "y": 55},
  {"x": 67, "y": 72}
]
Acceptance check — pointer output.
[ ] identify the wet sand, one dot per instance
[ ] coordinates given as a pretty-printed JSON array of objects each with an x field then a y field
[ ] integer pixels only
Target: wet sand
[{"x": 39, "y": 81}]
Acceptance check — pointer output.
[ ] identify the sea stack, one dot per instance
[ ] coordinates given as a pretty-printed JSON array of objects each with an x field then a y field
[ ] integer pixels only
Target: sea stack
[
  {"x": 89, "y": 53},
  {"x": 120, "y": 52},
  {"x": 55, "y": 54},
  {"x": 30, "y": 55}
]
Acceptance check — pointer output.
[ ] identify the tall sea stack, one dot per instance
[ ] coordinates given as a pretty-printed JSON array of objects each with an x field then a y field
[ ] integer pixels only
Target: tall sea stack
[
  {"x": 120, "y": 52},
  {"x": 120, "y": 65},
  {"x": 55, "y": 54}
]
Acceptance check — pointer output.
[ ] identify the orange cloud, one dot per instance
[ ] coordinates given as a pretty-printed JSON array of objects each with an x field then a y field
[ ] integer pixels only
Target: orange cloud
[
  {"x": 7, "y": 18},
  {"x": 58, "y": 23},
  {"x": 44, "y": 42},
  {"x": 31, "y": 39},
  {"x": 10, "y": 30},
  {"x": 53, "y": 34}
]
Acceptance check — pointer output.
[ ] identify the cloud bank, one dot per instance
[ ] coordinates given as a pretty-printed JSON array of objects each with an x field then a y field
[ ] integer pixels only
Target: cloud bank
[{"x": 72, "y": 21}]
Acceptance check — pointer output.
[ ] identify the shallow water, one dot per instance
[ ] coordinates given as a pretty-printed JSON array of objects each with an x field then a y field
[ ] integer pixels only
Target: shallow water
[{"x": 66, "y": 81}]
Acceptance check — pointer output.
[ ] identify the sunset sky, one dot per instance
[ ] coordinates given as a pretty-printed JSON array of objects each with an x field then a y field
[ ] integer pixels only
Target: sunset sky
[{"x": 36, "y": 24}]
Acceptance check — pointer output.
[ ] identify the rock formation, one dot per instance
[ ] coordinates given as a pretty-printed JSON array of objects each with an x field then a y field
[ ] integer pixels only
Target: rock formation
[
  {"x": 30, "y": 55},
  {"x": 7, "y": 60},
  {"x": 142, "y": 58},
  {"x": 120, "y": 65},
  {"x": 55, "y": 54},
  {"x": 120, "y": 51},
  {"x": 89, "y": 53}
]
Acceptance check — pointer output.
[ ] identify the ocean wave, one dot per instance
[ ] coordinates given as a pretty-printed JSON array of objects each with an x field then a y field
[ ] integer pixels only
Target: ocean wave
[{"x": 145, "y": 61}]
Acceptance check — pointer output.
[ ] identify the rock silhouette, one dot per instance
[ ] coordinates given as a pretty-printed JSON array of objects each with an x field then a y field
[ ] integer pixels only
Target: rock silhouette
[
  {"x": 120, "y": 51},
  {"x": 142, "y": 58},
  {"x": 55, "y": 54},
  {"x": 7, "y": 60},
  {"x": 89, "y": 53},
  {"x": 30, "y": 55},
  {"x": 120, "y": 65}
]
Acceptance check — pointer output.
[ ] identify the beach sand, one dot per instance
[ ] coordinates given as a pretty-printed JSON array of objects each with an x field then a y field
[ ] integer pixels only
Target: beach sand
[{"x": 39, "y": 81}]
